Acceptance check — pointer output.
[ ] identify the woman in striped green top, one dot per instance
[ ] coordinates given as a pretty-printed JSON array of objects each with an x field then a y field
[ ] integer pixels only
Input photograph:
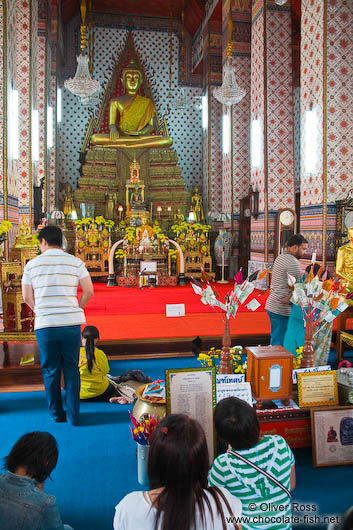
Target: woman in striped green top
[{"x": 264, "y": 504}]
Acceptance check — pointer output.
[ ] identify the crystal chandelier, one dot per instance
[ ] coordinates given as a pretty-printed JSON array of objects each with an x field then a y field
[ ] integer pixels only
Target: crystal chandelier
[
  {"x": 230, "y": 92},
  {"x": 280, "y": 2},
  {"x": 82, "y": 84},
  {"x": 182, "y": 101}
]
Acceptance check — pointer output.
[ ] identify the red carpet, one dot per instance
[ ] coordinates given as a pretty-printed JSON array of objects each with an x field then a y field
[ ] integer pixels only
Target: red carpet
[{"x": 130, "y": 313}]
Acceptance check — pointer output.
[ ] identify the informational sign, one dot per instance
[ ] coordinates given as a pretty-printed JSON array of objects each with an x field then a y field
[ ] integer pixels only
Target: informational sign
[{"x": 175, "y": 310}]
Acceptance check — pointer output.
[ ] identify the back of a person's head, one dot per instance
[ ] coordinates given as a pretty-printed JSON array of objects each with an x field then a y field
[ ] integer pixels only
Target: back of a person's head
[
  {"x": 90, "y": 332},
  {"x": 236, "y": 423},
  {"x": 345, "y": 521},
  {"x": 178, "y": 456},
  {"x": 36, "y": 452},
  {"x": 52, "y": 235},
  {"x": 296, "y": 240}
]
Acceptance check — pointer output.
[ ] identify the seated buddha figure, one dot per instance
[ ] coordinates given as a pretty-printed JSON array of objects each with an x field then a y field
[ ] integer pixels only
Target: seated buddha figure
[
  {"x": 24, "y": 237},
  {"x": 131, "y": 117},
  {"x": 344, "y": 261},
  {"x": 144, "y": 234}
]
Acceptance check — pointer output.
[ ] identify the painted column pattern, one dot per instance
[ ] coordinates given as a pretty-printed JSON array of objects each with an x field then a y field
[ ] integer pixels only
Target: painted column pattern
[
  {"x": 41, "y": 105},
  {"x": 24, "y": 86},
  {"x": 3, "y": 174}
]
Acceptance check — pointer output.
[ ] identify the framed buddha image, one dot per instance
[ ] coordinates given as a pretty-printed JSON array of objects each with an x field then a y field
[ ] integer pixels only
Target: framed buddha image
[{"x": 332, "y": 436}]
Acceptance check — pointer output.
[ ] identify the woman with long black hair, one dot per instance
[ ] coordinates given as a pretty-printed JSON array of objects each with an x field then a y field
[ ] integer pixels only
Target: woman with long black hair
[
  {"x": 94, "y": 369},
  {"x": 179, "y": 497}
]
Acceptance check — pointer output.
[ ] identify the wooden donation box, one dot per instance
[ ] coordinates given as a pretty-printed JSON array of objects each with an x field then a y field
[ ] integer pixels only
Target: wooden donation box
[{"x": 269, "y": 370}]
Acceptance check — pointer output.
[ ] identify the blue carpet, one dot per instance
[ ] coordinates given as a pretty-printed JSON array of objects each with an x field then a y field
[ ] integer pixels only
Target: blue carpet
[{"x": 97, "y": 460}]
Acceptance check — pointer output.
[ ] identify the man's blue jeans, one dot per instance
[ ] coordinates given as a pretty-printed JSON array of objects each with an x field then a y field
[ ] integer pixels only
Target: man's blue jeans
[
  {"x": 279, "y": 325},
  {"x": 59, "y": 350}
]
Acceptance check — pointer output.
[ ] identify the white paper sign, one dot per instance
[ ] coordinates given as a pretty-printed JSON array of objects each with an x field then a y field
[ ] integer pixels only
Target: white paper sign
[
  {"x": 175, "y": 310},
  {"x": 239, "y": 390},
  {"x": 312, "y": 369}
]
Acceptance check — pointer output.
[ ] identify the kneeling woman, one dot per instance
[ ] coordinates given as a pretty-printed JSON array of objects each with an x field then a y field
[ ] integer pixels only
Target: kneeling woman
[{"x": 94, "y": 369}]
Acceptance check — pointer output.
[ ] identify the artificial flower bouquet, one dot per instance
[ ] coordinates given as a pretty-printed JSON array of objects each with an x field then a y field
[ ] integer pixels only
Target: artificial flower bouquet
[
  {"x": 143, "y": 430},
  {"x": 213, "y": 357}
]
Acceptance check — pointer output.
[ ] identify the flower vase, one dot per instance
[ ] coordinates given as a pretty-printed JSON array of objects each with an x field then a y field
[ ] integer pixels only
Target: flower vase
[
  {"x": 226, "y": 365},
  {"x": 142, "y": 464},
  {"x": 308, "y": 350}
]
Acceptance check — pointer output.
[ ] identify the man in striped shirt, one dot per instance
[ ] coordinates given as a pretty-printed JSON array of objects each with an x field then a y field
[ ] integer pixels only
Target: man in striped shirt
[
  {"x": 49, "y": 287},
  {"x": 278, "y": 305}
]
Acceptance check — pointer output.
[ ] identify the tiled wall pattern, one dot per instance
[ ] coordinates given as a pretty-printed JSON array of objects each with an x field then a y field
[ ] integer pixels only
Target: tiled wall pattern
[
  {"x": 311, "y": 93},
  {"x": 1, "y": 96},
  {"x": 216, "y": 156},
  {"x": 12, "y": 44},
  {"x": 23, "y": 36},
  {"x": 296, "y": 136},
  {"x": 183, "y": 125},
  {"x": 339, "y": 99},
  {"x": 241, "y": 132},
  {"x": 279, "y": 108},
  {"x": 40, "y": 103},
  {"x": 257, "y": 88},
  {"x": 51, "y": 164}
]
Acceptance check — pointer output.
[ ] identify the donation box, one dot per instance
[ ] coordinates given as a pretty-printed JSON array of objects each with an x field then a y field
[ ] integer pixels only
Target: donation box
[{"x": 269, "y": 370}]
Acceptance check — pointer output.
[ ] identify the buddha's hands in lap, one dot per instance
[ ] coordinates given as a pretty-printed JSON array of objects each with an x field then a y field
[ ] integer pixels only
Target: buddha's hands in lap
[{"x": 114, "y": 134}]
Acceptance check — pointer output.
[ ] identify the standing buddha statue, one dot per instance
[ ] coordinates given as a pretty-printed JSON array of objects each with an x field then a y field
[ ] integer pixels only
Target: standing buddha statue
[
  {"x": 131, "y": 117},
  {"x": 196, "y": 205}
]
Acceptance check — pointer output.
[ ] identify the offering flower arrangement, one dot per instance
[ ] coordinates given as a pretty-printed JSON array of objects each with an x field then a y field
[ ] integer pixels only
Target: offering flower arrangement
[
  {"x": 233, "y": 300},
  {"x": 213, "y": 357},
  {"x": 320, "y": 299},
  {"x": 4, "y": 228},
  {"x": 143, "y": 430}
]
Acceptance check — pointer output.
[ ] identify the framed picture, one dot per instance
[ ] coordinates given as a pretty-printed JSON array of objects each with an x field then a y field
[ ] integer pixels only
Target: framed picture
[
  {"x": 332, "y": 436},
  {"x": 192, "y": 391},
  {"x": 316, "y": 389}
]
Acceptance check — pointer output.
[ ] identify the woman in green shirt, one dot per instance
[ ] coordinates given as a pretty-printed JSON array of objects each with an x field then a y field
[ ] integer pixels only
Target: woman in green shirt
[{"x": 265, "y": 505}]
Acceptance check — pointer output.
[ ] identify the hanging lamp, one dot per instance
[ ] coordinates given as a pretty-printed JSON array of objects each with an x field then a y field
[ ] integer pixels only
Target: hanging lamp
[
  {"x": 82, "y": 84},
  {"x": 230, "y": 92}
]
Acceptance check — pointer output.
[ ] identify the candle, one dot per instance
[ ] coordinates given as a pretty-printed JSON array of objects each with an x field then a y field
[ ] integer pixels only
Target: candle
[
  {"x": 313, "y": 257},
  {"x": 151, "y": 209},
  {"x": 125, "y": 264}
]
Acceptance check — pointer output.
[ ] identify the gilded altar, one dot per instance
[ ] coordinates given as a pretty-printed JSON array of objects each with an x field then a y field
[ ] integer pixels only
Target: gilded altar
[{"x": 17, "y": 316}]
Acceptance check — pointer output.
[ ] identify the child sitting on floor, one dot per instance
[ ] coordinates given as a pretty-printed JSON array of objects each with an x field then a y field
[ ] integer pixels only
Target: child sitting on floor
[{"x": 96, "y": 383}]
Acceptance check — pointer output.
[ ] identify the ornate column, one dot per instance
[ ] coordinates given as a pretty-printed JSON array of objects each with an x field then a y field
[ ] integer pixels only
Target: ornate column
[
  {"x": 326, "y": 73},
  {"x": 272, "y": 171}
]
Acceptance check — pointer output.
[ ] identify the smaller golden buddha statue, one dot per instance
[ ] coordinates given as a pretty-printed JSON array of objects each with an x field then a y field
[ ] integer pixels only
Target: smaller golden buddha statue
[
  {"x": 24, "y": 237},
  {"x": 179, "y": 217},
  {"x": 196, "y": 206},
  {"x": 144, "y": 233},
  {"x": 69, "y": 206},
  {"x": 111, "y": 200},
  {"x": 344, "y": 261},
  {"x": 131, "y": 117}
]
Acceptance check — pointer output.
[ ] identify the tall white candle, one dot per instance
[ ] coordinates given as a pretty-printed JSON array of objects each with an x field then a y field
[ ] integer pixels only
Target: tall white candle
[{"x": 313, "y": 257}]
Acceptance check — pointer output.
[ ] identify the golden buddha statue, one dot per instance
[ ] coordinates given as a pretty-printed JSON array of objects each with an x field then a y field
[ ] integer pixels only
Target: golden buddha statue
[
  {"x": 110, "y": 210},
  {"x": 24, "y": 237},
  {"x": 344, "y": 261},
  {"x": 135, "y": 123},
  {"x": 69, "y": 206},
  {"x": 179, "y": 217},
  {"x": 144, "y": 233},
  {"x": 196, "y": 205}
]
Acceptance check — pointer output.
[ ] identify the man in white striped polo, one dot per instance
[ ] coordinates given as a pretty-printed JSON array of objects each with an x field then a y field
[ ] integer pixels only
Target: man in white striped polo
[
  {"x": 278, "y": 305},
  {"x": 49, "y": 287}
]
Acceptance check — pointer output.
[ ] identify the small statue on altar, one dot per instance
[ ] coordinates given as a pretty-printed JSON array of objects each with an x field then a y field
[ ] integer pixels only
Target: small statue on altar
[
  {"x": 344, "y": 261},
  {"x": 131, "y": 117},
  {"x": 135, "y": 198},
  {"x": 196, "y": 206},
  {"x": 179, "y": 217},
  {"x": 69, "y": 206},
  {"x": 110, "y": 205},
  {"x": 24, "y": 237},
  {"x": 144, "y": 234}
]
